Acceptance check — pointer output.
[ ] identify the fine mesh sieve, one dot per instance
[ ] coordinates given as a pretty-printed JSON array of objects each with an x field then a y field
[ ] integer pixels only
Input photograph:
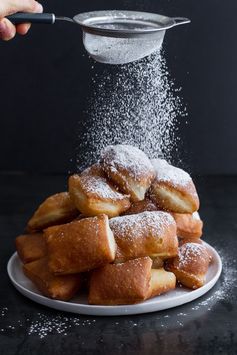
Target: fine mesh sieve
[{"x": 114, "y": 37}]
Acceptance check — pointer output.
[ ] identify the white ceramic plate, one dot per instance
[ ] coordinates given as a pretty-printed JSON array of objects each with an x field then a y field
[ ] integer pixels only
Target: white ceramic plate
[{"x": 79, "y": 304}]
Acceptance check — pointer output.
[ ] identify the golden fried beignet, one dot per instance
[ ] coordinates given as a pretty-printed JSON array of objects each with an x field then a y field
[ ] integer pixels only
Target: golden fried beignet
[
  {"x": 56, "y": 209},
  {"x": 173, "y": 189},
  {"x": 128, "y": 283},
  {"x": 144, "y": 234},
  {"x": 141, "y": 206},
  {"x": 191, "y": 265},
  {"x": 93, "y": 194},
  {"x": 80, "y": 245},
  {"x": 161, "y": 281},
  {"x": 62, "y": 287},
  {"x": 197, "y": 241},
  {"x": 121, "y": 283},
  {"x": 30, "y": 247},
  {"x": 188, "y": 225},
  {"x": 129, "y": 168}
]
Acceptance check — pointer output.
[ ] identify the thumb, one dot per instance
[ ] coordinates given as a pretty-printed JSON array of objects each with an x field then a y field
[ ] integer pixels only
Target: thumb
[
  {"x": 7, "y": 30},
  {"x": 14, "y": 6}
]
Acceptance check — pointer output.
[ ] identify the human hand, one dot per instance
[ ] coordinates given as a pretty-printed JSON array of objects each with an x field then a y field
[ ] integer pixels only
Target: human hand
[{"x": 9, "y": 7}]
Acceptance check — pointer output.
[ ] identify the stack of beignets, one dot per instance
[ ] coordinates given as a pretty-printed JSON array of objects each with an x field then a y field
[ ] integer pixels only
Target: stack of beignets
[{"x": 128, "y": 223}]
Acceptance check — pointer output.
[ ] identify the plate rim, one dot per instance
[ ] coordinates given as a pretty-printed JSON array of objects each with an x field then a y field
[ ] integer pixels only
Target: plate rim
[{"x": 117, "y": 310}]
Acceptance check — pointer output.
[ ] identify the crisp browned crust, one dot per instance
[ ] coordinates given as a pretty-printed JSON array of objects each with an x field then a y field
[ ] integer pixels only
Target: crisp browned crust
[
  {"x": 173, "y": 189},
  {"x": 145, "y": 234},
  {"x": 141, "y": 206},
  {"x": 188, "y": 225},
  {"x": 80, "y": 245},
  {"x": 93, "y": 194},
  {"x": 129, "y": 168},
  {"x": 30, "y": 247},
  {"x": 56, "y": 209},
  {"x": 58, "y": 287},
  {"x": 126, "y": 283},
  {"x": 191, "y": 265}
]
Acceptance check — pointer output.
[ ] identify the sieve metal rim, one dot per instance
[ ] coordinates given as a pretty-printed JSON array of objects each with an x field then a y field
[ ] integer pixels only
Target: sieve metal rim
[{"x": 89, "y": 20}]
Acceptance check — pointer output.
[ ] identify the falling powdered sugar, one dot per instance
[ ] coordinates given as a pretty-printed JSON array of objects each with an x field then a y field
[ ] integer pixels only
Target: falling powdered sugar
[{"x": 135, "y": 104}]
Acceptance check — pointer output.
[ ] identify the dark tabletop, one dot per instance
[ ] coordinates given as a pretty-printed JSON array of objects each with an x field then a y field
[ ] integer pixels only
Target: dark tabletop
[{"x": 205, "y": 326}]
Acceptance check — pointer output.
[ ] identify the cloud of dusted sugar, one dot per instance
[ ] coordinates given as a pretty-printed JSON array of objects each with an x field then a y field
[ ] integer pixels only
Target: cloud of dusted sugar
[{"x": 135, "y": 104}]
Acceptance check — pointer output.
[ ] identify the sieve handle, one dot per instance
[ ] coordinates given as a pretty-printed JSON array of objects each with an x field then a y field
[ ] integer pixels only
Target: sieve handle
[
  {"x": 24, "y": 17},
  {"x": 180, "y": 20}
]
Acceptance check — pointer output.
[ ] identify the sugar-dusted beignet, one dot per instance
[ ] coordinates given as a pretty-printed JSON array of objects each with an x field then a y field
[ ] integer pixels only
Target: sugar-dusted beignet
[
  {"x": 93, "y": 194},
  {"x": 188, "y": 225},
  {"x": 62, "y": 287},
  {"x": 30, "y": 247},
  {"x": 173, "y": 189},
  {"x": 197, "y": 241},
  {"x": 56, "y": 209},
  {"x": 129, "y": 168},
  {"x": 80, "y": 245},
  {"x": 131, "y": 282},
  {"x": 191, "y": 265},
  {"x": 145, "y": 234},
  {"x": 141, "y": 206}
]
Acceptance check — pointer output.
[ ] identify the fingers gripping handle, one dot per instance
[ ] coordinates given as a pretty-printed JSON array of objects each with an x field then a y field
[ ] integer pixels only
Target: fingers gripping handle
[{"x": 23, "y": 17}]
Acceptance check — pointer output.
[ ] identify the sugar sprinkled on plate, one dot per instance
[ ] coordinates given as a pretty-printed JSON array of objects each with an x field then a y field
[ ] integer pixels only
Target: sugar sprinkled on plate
[{"x": 44, "y": 324}]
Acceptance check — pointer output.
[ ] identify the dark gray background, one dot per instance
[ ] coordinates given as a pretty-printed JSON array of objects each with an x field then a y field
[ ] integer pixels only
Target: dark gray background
[{"x": 44, "y": 86}]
